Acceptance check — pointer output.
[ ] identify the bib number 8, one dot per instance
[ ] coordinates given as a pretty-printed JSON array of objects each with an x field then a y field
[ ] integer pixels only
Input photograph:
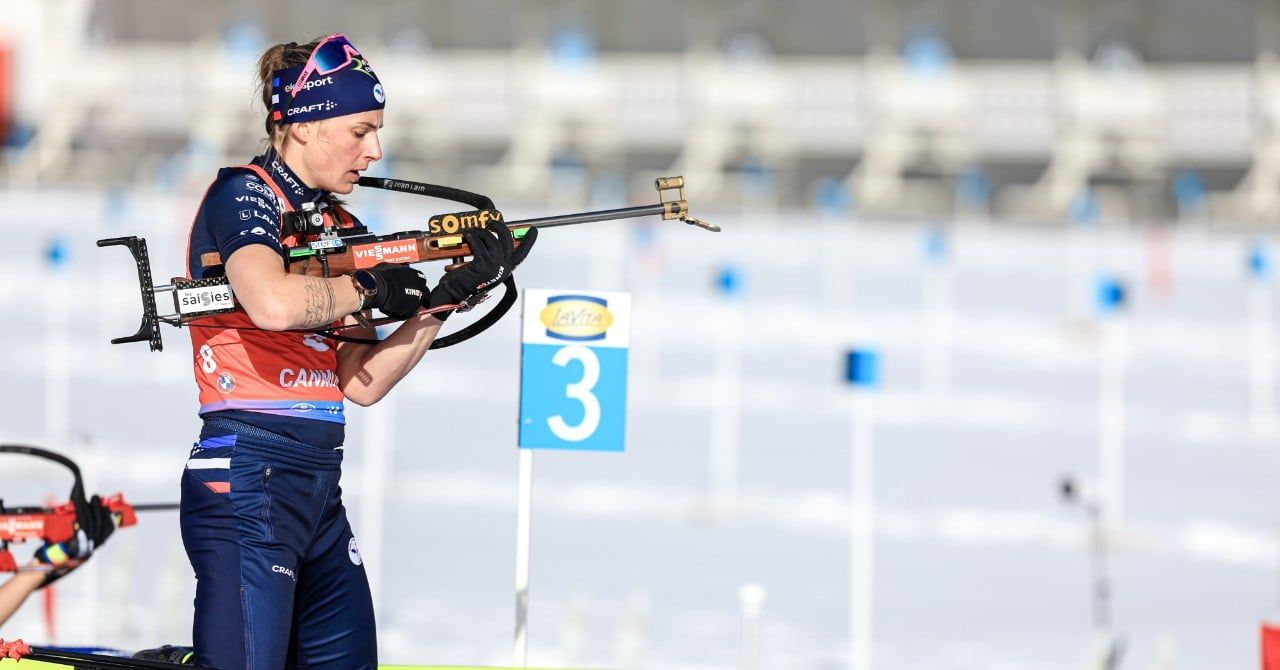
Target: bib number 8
[
  {"x": 207, "y": 363},
  {"x": 581, "y": 391}
]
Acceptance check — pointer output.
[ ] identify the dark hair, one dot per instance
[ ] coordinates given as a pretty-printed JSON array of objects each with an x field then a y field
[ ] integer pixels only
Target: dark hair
[{"x": 278, "y": 57}]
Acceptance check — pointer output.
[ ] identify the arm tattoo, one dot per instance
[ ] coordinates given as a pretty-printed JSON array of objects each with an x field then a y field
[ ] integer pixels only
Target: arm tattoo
[{"x": 319, "y": 303}]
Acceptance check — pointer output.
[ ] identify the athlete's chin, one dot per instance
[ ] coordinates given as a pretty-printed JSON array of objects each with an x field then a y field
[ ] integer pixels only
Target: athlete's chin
[{"x": 343, "y": 187}]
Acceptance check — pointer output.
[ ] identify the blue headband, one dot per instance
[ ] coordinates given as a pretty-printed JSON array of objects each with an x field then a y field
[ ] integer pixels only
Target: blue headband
[{"x": 351, "y": 90}]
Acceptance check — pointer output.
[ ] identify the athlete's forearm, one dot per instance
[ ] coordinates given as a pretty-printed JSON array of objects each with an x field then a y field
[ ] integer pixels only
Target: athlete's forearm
[
  {"x": 277, "y": 300},
  {"x": 15, "y": 591},
  {"x": 367, "y": 377},
  {"x": 305, "y": 302}
]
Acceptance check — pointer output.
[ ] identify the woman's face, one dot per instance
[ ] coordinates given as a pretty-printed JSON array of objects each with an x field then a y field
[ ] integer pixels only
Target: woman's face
[{"x": 339, "y": 149}]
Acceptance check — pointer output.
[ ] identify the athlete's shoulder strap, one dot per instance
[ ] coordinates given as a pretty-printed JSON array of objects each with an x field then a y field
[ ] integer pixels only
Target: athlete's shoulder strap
[{"x": 262, "y": 174}]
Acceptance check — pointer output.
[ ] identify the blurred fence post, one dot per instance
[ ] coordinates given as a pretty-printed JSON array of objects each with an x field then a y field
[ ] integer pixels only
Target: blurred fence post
[
  {"x": 57, "y": 347},
  {"x": 751, "y": 597},
  {"x": 936, "y": 318},
  {"x": 1261, "y": 358},
  {"x": 726, "y": 395},
  {"x": 1112, "y": 343},
  {"x": 1082, "y": 240},
  {"x": 862, "y": 371}
]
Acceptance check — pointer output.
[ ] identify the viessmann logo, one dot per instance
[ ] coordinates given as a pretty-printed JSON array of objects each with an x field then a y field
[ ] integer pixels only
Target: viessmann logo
[
  {"x": 19, "y": 526},
  {"x": 386, "y": 252},
  {"x": 578, "y": 318}
]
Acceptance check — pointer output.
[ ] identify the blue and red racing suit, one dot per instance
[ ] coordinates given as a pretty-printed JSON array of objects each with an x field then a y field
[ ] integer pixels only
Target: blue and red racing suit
[{"x": 279, "y": 577}]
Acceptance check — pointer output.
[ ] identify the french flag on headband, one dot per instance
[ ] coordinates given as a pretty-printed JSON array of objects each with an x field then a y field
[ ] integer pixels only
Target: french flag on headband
[{"x": 351, "y": 90}]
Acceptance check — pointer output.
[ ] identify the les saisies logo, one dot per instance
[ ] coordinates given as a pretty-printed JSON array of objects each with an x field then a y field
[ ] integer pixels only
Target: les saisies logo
[{"x": 577, "y": 318}]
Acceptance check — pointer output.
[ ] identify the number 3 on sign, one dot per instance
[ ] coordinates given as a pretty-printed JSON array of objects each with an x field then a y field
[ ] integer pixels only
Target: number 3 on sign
[
  {"x": 581, "y": 391},
  {"x": 573, "y": 370}
]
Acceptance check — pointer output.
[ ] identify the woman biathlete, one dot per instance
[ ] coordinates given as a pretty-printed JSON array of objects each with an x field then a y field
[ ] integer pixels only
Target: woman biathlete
[{"x": 280, "y": 579}]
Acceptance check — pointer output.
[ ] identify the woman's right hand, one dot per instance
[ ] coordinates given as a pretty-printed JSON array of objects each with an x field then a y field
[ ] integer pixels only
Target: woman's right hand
[{"x": 493, "y": 259}]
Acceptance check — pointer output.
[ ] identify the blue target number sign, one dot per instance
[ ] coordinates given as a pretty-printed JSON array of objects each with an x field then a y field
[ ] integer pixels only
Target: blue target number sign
[{"x": 573, "y": 370}]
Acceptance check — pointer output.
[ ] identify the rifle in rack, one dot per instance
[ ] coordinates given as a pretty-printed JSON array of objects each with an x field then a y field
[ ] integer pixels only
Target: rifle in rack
[
  {"x": 329, "y": 251},
  {"x": 57, "y": 523}
]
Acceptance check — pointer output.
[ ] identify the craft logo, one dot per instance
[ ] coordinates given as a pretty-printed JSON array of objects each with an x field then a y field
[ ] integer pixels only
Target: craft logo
[
  {"x": 370, "y": 255},
  {"x": 578, "y": 318},
  {"x": 281, "y": 570},
  {"x": 325, "y": 106},
  {"x": 285, "y": 176},
  {"x": 452, "y": 223}
]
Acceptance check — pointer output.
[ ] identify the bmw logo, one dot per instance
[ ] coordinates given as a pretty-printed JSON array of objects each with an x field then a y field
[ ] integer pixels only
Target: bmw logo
[
  {"x": 377, "y": 94},
  {"x": 226, "y": 382}
]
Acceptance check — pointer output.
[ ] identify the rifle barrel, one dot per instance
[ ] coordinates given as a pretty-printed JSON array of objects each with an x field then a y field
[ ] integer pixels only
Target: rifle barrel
[
  {"x": 588, "y": 217},
  {"x": 155, "y": 507}
]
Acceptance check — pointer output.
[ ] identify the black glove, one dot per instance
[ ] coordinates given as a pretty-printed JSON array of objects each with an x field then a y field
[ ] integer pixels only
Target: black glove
[
  {"x": 493, "y": 259},
  {"x": 95, "y": 524},
  {"x": 398, "y": 290}
]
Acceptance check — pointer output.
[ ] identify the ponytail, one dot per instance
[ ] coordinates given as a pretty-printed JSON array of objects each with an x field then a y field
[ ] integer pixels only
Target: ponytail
[{"x": 279, "y": 57}]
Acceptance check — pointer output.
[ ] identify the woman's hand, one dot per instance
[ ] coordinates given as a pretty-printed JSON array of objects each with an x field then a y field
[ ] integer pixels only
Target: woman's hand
[
  {"x": 396, "y": 290},
  {"x": 493, "y": 259}
]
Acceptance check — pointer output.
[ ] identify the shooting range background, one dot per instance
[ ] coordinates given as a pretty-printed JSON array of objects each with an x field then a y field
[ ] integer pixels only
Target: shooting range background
[{"x": 969, "y": 266}]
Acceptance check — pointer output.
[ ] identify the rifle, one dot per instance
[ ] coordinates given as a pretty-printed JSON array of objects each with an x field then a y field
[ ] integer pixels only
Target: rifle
[
  {"x": 59, "y": 523},
  {"x": 329, "y": 251}
]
